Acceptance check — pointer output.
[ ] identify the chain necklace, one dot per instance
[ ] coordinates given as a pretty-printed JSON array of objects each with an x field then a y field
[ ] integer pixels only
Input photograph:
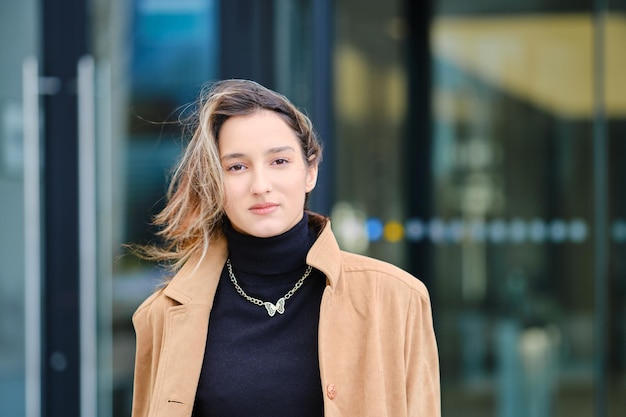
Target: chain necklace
[{"x": 271, "y": 308}]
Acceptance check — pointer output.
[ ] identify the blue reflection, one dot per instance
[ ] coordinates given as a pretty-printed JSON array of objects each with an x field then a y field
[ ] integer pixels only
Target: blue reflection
[
  {"x": 374, "y": 229},
  {"x": 175, "y": 47}
]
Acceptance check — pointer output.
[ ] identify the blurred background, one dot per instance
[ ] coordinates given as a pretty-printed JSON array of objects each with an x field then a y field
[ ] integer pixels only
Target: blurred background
[{"x": 475, "y": 144}]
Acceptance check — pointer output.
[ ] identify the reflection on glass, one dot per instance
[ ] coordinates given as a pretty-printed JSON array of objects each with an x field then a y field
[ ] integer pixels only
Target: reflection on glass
[{"x": 370, "y": 98}]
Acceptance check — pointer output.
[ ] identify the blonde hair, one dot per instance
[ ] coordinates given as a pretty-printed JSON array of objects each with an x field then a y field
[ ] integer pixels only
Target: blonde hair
[{"x": 194, "y": 212}]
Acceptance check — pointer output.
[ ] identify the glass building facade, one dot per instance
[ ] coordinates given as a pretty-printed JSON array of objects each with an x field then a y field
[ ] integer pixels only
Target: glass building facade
[{"x": 478, "y": 145}]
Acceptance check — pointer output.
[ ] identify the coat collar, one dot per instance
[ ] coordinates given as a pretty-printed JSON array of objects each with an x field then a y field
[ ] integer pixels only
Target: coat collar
[
  {"x": 325, "y": 256},
  {"x": 197, "y": 280}
]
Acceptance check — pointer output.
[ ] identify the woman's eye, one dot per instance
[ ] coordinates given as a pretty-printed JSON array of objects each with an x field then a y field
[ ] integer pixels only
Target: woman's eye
[
  {"x": 280, "y": 161},
  {"x": 235, "y": 167}
]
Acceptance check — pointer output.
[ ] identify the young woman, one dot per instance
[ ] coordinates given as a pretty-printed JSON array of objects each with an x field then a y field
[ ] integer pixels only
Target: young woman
[{"x": 265, "y": 315}]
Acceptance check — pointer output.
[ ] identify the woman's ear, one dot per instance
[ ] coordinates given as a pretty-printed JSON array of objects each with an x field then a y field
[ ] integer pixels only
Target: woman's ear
[{"x": 311, "y": 174}]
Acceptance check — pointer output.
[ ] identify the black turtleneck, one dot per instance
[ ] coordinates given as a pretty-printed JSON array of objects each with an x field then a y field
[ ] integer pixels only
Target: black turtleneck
[{"x": 254, "y": 364}]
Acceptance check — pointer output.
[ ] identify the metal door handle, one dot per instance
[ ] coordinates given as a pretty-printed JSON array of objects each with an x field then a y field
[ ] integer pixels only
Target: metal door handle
[
  {"x": 87, "y": 236},
  {"x": 32, "y": 234}
]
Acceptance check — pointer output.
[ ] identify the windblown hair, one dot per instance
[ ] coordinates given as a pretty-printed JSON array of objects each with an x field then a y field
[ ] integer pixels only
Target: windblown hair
[{"x": 194, "y": 212}]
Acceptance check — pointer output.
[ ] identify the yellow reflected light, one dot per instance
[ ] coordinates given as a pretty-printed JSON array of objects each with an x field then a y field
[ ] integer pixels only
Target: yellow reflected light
[
  {"x": 547, "y": 60},
  {"x": 393, "y": 232}
]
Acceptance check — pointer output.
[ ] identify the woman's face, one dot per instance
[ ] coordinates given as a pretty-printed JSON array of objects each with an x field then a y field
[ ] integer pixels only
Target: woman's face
[{"x": 266, "y": 175}]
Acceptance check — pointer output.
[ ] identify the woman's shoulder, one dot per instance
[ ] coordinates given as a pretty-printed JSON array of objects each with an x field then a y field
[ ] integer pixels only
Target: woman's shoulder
[{"x": 357, "y": 267}]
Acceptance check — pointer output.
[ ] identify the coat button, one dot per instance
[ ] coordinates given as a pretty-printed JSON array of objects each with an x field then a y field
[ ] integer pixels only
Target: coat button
[{"x": 331, "y": 391}]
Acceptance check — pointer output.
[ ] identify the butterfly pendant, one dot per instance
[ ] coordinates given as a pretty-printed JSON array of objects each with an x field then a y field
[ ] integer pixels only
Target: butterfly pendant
[{"x": 273, "y": 308}]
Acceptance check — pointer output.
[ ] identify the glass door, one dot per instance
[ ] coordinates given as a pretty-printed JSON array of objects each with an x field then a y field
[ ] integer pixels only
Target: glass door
[
  {"x": 528, "y": 109},
  {"x": 19, "y": 209}
]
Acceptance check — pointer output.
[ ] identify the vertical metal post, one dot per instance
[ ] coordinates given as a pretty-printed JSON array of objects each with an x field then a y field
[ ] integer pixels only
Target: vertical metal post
[
  {"x": 65, "y": 37},
  {"x": 600, "y": 212},
  {"x": 418, "y": 143},
  {"x": 322, "y": 111},
  {"x": 246, "y": 40}
]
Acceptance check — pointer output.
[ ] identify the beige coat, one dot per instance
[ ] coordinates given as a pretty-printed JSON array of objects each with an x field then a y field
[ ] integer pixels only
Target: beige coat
[{"x": 377, "y": 350}]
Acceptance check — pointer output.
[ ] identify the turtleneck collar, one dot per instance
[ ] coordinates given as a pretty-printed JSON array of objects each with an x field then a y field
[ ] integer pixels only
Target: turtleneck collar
[{"x": 273, "y": 255}]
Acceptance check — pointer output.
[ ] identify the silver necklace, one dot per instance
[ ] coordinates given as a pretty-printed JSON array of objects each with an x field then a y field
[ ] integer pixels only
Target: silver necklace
[{"x": 272, "y": 309}]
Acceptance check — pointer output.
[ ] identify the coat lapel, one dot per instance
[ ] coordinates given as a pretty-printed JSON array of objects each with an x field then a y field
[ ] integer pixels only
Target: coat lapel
[{"x": 185, "y": 331}]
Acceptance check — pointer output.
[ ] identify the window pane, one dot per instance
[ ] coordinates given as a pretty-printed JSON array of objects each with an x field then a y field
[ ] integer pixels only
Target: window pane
[
  {"x": 370, "y": 100},
  {"x": 15, "y": 18}
]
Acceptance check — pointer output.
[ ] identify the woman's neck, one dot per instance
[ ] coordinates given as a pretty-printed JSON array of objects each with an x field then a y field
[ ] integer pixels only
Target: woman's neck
[{"x": 270, "y": 256}]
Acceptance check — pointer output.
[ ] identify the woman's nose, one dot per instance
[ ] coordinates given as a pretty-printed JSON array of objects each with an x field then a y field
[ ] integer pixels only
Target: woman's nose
[{"x": 260, "y": 182}]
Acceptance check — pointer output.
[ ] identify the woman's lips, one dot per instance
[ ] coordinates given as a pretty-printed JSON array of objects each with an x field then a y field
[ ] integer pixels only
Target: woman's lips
[{"x": 264, "y": 208}]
